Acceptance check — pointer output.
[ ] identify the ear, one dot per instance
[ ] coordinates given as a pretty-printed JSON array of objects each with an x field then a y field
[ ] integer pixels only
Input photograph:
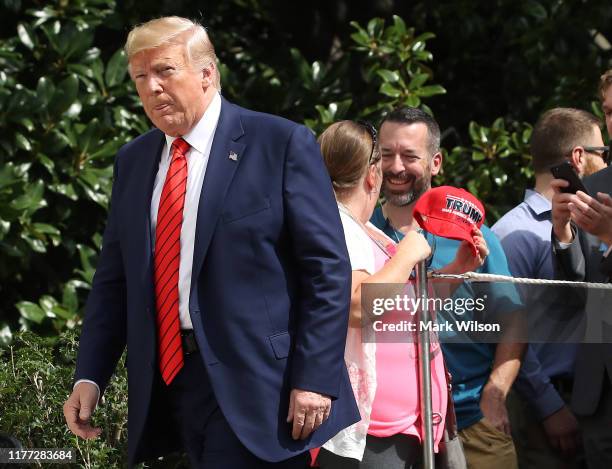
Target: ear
[
  {"x": 208, "y": 75},
  {"x": 436, "y": 163},
  {"x": 577, "y": 159},
  {"x": 371, "y": 177}
]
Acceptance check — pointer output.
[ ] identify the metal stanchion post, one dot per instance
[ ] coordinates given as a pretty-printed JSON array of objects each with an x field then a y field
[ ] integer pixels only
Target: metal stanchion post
[{"x": 424, "y": 350}]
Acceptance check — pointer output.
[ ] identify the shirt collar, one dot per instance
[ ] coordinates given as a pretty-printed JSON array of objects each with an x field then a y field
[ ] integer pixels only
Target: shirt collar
[
  {"x": 537, "y": 202},
  {"x": 202, "y": 133}
]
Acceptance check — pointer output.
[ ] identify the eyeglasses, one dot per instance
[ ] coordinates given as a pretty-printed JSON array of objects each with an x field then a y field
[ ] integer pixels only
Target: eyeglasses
[
  {"x": 372, "y": 131},
  {"x": 602, "y": 152}
]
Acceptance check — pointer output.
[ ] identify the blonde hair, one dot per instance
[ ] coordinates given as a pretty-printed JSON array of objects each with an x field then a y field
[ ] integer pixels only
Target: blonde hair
[
  {"x": 347, "y": 150},
  {"x": 605, "y": 81},
  {"x": 175, "y": 30}
]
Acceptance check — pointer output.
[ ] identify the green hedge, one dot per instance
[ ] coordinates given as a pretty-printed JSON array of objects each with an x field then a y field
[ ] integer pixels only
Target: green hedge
[{"x": 36, "y": 376}]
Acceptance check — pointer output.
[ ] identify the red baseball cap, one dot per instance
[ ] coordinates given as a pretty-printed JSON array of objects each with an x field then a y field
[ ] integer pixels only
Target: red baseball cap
[{"x": 449, "y": 212}]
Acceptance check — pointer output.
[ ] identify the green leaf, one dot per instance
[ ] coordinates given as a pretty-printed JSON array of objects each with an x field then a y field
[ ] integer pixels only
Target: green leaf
[
  {"x": 37, "y": 245},
  {"x": 65, "y": 95},
  {"x": 388, "y": 75},
  {"x": 116, "y": 69},
  {"x": 424, "y": 37},
  {"x": 477, "y": 156},
  {"x": 418, "y": 80},
  {"x": 536, "y": 10},
  {"x": 50, "y": 231},
  {"x": 108, "y": 149},
  {"x": 375, "y": 26},
  {"x": 303, "y": 69},
  {"x": 389, "y": 90},
  {"x": 25, "y": 35},
  {"x": 22, "y": 142},
  {"x": 65, "y": 190},
  {"x": 431, "y": 90},
  {"x": 47, "y": 302},
  {"x": 361, "y": 38},
  {"x": 526, "y": 135},
  {"x": 69, "y": 297},
  {"x": 27, "y": 124},
  {"x": 45, "y": 89},
  {"x": 31, "y": 200},
  {"x": 473, "y": 131},
  {"x": 498, "y": 124},
  {"x": 74, "y": 110},
  {"x": 47, "y": 162},
  {"x": 5, "y": 226},
  {"x": 90, "y": 136},
  {"x": 412, "y": 101},
  {"x": 86, "y": 255},
  {"x": 399, "y": 25},
  {"x": 44, "y": 15},
  {"x": 8, "y": 175},
  {"x": 6, "y": 335},
  {"x": 58, "y": 311},
  {"x": 30, "y": 311}
]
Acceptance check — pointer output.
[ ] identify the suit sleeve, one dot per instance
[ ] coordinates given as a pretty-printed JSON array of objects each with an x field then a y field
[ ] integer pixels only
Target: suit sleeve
[
  {"x": 324, "y": 270},
  {"x": 103, "y": 336},
  {"x": 606, "y": 264},
  {"x": 569, "y": 261}
]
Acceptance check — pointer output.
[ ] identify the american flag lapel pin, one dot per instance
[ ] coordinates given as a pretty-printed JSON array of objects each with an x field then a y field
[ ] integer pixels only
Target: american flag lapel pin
[{"x": 233, "y": 156}]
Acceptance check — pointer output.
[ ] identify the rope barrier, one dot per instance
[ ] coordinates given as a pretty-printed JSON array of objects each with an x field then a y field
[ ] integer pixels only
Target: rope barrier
[{"x": 478, "y": 277}]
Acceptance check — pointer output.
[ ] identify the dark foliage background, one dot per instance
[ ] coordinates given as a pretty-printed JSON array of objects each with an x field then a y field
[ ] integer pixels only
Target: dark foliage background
[{"x": 485, "y": 69}]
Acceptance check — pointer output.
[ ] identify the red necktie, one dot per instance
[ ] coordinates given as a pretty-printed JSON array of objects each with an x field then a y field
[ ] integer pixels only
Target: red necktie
[{"x": 167, "y": 259}]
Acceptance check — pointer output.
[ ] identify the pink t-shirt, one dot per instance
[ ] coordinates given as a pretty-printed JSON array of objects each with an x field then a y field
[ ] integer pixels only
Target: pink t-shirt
[{"x": 396, "y": 407}]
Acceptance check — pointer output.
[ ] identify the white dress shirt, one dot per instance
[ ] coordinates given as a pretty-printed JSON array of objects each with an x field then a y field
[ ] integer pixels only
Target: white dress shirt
[{"x": 200, "y": 139}]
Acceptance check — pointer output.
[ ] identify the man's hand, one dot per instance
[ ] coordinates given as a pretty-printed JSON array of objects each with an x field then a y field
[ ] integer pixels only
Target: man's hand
[
  {"x": 493, "y": 407},
  {"x": 307, "y": 410},
  {"x": 592, "y": 215},
  {"x": 467, "y": 258},
  {"x": 78, "y": 409},
  {"x": 562, "y": 431},
  {"x": 561, "y": 214}
]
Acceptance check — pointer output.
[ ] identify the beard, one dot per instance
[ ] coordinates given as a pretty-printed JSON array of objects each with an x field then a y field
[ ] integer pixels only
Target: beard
[
  {"x": 416, "y": 189},
  {"x": 590, "y": 167}
]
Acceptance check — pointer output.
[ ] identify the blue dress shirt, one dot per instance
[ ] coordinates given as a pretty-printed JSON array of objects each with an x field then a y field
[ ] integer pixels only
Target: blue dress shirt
[{"x": 525, "y": 235}]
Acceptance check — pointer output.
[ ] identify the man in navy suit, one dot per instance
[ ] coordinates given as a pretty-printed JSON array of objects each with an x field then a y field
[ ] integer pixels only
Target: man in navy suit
[{"x": 223, "y": 269}]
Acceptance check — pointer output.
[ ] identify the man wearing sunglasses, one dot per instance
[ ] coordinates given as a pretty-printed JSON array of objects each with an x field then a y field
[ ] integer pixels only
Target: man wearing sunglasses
[
  {"x": 582, "y": 241},
  {"x": 544, "y": 428}
]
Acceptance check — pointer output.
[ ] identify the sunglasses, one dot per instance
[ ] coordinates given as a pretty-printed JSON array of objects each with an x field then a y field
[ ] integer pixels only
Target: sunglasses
[
  {"x": 602, "y": 152},
  {"x": 372, "y": 131}
]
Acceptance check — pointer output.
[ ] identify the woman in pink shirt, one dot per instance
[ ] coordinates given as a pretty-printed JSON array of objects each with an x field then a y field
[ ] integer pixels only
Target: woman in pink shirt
[{"x": 383, "y": 367}]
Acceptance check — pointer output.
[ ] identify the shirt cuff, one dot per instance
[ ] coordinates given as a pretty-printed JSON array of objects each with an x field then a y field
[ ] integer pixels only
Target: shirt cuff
[
  {"x": 607, "y": 253},
  {"x": 547, "y": 403},
  {"x": 92, "y": 382},
  {"x": 559, "y": 245}
]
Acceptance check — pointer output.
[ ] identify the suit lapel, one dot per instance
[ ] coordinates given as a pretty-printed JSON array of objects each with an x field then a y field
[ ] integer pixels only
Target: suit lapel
[
  {"x": 150, "y": 167},
  {"x": 225, "y": 156}
]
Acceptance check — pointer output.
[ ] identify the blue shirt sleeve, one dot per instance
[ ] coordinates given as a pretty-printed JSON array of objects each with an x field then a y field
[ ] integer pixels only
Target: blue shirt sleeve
[
  {"x": 535, "y": 387},
  {"x": 531, "y": 383},
  {"x": 504, "y": 296}
]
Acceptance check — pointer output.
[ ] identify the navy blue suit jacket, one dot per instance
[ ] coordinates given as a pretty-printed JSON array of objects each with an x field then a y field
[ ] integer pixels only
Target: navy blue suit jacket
[{"x": 270, "y": 290}]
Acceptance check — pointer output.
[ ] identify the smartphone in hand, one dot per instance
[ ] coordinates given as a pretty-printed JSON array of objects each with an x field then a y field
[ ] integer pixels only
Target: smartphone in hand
[{"x": 566, "y": 172}]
